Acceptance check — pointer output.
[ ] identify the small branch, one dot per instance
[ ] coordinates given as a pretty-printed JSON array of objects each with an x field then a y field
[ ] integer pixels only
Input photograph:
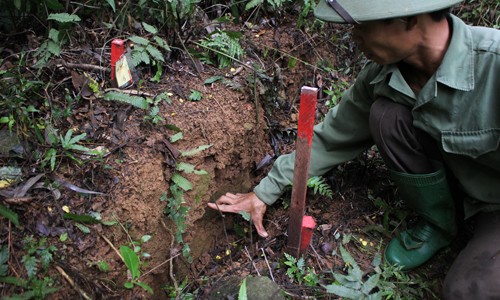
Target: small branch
[
  {"x": 130, "y": 92},
  {"x": 73, "y": 284},
  {"x": 168, "y": 260},
  {"x": 87, "y": 67},
  {"x": 112, "y": 246},
  {"x": 251, "y": 260},
  {"x": 267, "y": 263}
]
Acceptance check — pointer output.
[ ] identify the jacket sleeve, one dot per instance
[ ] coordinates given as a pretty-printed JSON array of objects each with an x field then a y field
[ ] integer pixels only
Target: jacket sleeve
[{"x": 342, "y": 136}]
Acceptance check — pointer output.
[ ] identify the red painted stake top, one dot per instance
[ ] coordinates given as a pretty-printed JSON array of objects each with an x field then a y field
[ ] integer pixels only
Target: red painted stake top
[
  {"x": 117, "y": 49},
  {"x": 307, "y": 112},
  {"x": 308, "y": 225}
]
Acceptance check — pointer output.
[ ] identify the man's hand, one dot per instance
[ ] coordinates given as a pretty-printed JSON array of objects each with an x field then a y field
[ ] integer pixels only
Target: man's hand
[{"x": 249, "y": 203}]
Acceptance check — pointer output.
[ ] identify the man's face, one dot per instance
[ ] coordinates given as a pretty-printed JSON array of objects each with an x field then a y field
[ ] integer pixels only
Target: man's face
[{"x": 385, "y": 42}]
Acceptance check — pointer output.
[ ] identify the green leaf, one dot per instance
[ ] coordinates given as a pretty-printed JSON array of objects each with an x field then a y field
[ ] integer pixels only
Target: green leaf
[
  {"x": 4, "y": 258},
  {"x": 9, "y": 214},
  {"x": 195, "y": 95},
  {"x": 128, "y": 285},
  {"x": 370, "y": 284},
  {"x": 131, "y": 261},
  {"x": 103, "y": 266},
  {"x": 54, "y": 35},
  {"x": 63, "y": 237},
  {"x": 112, "y": 4},
  {"x": 213, "y": 79},
  {"x": 186, "y": 251},
  {"x": 253, "y": 3},
  {"x": 149, "y": 28},
  {"x": 81, "y": 218},
  {"x": 162, "y": 43},
  {"x": 185, "y": 167},
  {"x": 77, "y": 138},
  {"x": 128, "y": 99},
  {"x": 155, "y": 53},
  {"x": 14, "y": 281},
  {"x": 17, "y": 4},
  {"x": 195, "y": 151},
  {"x": 242, "y": 293},
  {"x": 145, "y": 238},
  {"x": 182, "y": 182},
  {"x": 146, "y": 287},
  {"x": 139, "y": 40},
  {"x": 64, "y": 17},
  {"x": 82, "y": 228},
  {"x": 30, "y": 264},
  {"x": 178, "y": 136},
  {"x": 245, "y": 215},
  {"x": 140, "y": 55},
  {"x": 54, "y": 48},
  {"x": 343, "y": 291},
  {"x": 355, "y": 271},
  {"x": 51, "y": 156}
]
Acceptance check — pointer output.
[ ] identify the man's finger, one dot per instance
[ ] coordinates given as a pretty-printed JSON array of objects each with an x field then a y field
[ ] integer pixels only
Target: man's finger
[
  {"x": 225, "y": 208},
  {"x": 225, "y": 200}
]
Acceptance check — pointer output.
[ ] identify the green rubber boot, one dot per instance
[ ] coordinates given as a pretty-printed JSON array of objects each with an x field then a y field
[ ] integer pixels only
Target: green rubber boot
[{"x": 429, "y": 196}]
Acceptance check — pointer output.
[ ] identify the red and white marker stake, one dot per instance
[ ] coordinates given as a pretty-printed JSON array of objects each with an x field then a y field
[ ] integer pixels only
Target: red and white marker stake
[{"x": 300, "y": 228}]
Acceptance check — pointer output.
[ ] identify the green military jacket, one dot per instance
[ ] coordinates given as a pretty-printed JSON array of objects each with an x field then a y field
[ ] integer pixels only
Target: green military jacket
[{"x": 459, "y": 107}]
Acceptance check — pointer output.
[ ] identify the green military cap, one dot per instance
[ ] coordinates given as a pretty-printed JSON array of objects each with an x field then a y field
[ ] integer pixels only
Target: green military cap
[{"x": 354, "y": 11}]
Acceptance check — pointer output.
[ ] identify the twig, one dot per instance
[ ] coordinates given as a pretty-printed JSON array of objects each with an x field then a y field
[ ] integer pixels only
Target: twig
[
  {"x": 373, "y": 223},
  {"x": 267, "y": 263},
  {"x": 168, "y": 260},
  {"x": 188, "y": 54},
  {"x": 318, "y": 257},
  {"x": 112, "y": 246},
  {"x": 131, "y": 92},
  {"x": 251, "y": 260},
  {"x": 171, "y": 265},
  {"x": 73, "y": 284},
  {"x": 87, "y": 67}
]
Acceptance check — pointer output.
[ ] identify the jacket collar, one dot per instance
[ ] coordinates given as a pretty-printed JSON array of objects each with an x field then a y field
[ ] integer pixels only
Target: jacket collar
[{"x": 457, "y": 68}]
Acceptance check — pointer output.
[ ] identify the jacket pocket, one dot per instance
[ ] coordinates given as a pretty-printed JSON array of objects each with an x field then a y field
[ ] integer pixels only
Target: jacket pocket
[{"x": 471, "y": 143}]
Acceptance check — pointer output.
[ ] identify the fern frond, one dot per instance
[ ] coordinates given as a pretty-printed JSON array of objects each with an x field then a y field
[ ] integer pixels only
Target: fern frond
[
  {"x": 128, "y": 99},
  {"x": 320, "y": 186}
]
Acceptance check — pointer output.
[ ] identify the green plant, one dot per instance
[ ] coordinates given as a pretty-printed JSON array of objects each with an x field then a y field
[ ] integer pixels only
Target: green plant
[
  {"x": 224, "y": 46},
  {"x": 154, "y": 116},
  {"x": 68, "y": 143},
  {"x": 52, "y": 46},
  {"x": 320, "y": 186},
  {"x": 307, "y": 8},
  {"x": 132, "y": 262},
  {"x": 483, "y": 13},
  {"x": 176, "y": 209},
  {"x": 393, "y": 215},
  {"x": 195, "y": 95},
  {"x": 335, "y": 93},
  {"x": 180, "y": 292},
  {"x": 36, "y": 262},
  {"x": 275, "y": 4},
  {"x": 296, "y": 271},
  {"x": 146, "y": 50},
  {"x": 387, "y": 282}
]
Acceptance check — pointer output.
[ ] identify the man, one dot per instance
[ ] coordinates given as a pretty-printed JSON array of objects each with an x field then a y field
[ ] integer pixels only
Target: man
[{"x": 429, "y": 100}]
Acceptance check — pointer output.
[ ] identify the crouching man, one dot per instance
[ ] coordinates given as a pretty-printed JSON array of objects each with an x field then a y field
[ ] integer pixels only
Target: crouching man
[{"x": 429, "y": 99}]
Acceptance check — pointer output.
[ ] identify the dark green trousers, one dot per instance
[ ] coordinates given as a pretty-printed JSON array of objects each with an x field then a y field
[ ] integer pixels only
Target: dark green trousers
[{"x": 475, "y": 273}]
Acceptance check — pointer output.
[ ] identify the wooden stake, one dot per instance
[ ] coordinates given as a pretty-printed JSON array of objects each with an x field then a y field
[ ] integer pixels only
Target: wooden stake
[{"x": 308, "y": 98}]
